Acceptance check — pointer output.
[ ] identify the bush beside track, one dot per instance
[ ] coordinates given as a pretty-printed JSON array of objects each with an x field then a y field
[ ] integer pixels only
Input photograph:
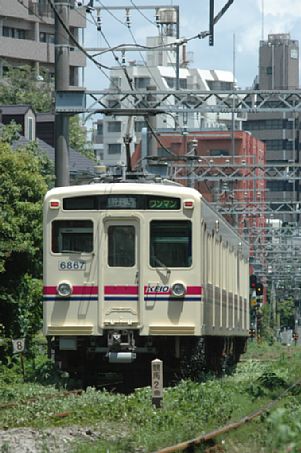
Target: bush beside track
[{"x": 131, "y": 424}]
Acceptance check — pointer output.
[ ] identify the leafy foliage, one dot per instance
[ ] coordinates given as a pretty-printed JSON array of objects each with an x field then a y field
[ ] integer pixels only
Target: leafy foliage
[
  {"x": 285, "y": 428},
  {"x": 22, "y": 188},
  {"x": 10, "y": 132},
  {"x": 131, "y": 424},
  {"x": 286, "y": 312},
  {"x": 21, "y": 86},
  {"x": 78, "y": 138}
]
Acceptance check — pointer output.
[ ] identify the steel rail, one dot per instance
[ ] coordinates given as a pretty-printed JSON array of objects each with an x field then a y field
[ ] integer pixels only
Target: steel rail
[{"x": 204, "y": 438}]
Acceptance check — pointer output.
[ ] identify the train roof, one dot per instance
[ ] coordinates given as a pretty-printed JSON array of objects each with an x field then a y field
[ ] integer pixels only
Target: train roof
[{"x": 121, "y": 187}]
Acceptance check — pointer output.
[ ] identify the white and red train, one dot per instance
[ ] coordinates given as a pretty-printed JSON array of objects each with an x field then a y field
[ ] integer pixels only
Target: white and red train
[{"x": 138, "y": 270}]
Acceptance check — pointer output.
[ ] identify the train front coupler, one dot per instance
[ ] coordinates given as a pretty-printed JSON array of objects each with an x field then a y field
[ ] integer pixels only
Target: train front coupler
[{"x": 121, "y": 346}]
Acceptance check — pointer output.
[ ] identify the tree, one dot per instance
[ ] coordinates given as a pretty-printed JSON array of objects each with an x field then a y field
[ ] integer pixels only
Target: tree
[
  {"x": 286, "y": 312},
  {"x": 21, "y": 86},
  {"x": 78, "y": 138},
  {"x": 22, "y": 188}
]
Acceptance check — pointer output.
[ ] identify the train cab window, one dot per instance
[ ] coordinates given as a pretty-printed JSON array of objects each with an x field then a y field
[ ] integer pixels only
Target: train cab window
[
  {"x": 72, "y": 236},
  {"x": 121, "y": 244},
  {"x": 170, "y": 243}
]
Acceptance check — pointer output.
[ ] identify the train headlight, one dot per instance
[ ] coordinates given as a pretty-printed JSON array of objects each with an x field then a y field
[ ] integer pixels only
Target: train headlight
[
  {"x": 178, "y": 289},
  {"x": 64, "y": 289}
]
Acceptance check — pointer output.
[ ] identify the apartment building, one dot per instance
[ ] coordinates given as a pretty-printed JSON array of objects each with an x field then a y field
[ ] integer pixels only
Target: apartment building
[
  {"x": 213, "y": 153},
  {"x": 280, "y": 131},
  {"x": 109, "y": 132},
  {"x": 158, "y": 72},
  {"x": 27, "y": 36}
]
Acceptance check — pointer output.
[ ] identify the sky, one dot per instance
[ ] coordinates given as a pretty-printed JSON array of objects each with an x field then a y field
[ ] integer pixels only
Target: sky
[{"x": 236, "y": 38}]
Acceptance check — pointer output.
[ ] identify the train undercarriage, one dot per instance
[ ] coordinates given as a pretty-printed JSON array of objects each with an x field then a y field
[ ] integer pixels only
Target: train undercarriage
[{"x": 128, "y": 356}]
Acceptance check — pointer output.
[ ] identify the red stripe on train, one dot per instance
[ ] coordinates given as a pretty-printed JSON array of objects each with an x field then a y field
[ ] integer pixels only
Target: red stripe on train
[
  {"x": 194, "y": 290},
  {"x": 121, "y": 289},
  {"x": 80, "y": 290}
]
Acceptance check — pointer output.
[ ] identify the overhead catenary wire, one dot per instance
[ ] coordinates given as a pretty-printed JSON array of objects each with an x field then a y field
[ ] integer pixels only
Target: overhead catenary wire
[
  {"x": 73, "y": 39},
  {"x": 200, "y": 35},
  {"x": 130, "y": 82},
  {"x": 101, "y": 66},
  {"x": 142, "y": 14}
]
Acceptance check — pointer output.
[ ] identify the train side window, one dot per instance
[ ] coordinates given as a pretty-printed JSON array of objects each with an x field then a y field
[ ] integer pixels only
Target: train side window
[
  {"x": 170, "y": 243},
  {"x": 72, "y": 236},
  {"x": 121, "y": 244}
]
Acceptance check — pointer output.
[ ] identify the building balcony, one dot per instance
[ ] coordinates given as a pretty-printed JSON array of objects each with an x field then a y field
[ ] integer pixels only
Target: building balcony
[
  {"x": 34, "y": 12},
  {"x": 27, "y": 51}
]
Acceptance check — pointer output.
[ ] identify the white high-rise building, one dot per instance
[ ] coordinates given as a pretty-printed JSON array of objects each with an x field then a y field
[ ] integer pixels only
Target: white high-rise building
[{"x": 157, "y": 73}]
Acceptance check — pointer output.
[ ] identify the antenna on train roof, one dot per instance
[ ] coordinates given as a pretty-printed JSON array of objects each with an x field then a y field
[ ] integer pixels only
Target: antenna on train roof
[{"x": 119, "y": 173}]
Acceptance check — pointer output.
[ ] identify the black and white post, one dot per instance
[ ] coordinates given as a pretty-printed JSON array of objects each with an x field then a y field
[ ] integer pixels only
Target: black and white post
[{"x": 157, "y": 382}]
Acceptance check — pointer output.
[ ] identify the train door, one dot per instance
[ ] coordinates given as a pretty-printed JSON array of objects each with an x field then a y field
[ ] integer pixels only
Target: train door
[{"x": 120, "y": 276}]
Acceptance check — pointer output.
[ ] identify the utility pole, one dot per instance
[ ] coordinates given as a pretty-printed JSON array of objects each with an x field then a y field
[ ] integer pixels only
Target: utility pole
[{"x": 62, "y": 78}]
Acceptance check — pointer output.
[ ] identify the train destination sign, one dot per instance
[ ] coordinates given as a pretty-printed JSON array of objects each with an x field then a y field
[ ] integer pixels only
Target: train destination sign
[{"x": 121, "y": 201}]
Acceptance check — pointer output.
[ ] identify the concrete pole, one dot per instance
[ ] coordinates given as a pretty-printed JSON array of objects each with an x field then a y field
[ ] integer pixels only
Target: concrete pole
[
  {"x": 152, "y": 124},
  {"x": 62, "y": 77}
]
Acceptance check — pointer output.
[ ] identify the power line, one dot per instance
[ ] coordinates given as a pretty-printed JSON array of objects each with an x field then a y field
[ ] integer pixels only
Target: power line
[
  {"x": 142, "y": 14},
  {"x": 132, "y": 89},
  {"x": 73, "y": 39}
]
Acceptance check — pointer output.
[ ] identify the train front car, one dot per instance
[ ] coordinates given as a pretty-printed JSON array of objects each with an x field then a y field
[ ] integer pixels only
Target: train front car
[{"x": 126, "y": 279}]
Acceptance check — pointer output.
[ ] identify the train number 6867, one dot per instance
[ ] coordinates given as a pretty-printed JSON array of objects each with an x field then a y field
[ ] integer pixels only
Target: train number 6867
[{"x": 71, "y": 265}]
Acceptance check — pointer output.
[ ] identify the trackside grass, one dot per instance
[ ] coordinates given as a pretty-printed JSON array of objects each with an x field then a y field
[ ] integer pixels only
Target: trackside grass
[{"x": 129, "y": 423}]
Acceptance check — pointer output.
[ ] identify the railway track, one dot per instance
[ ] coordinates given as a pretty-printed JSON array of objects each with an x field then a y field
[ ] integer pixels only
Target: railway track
[
  {"x": 209, "y": 439},
  {"x": 187, "y": 408}
]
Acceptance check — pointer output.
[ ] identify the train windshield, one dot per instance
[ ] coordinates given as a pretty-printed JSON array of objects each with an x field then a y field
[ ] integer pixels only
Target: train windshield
[
  {"x": 170, "y": 243},
  {"x": 72, "y": 236}
]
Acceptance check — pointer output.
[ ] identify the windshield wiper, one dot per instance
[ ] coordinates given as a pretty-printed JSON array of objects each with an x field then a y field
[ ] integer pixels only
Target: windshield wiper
[{"x": 161, "y": 264}]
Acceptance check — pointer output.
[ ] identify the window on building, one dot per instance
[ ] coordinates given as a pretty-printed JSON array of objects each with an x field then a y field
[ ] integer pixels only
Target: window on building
[
  {"x": 269, "y": 70},
  {"x": 40, "y": 8},
  {"x": 219, "y": 152},
  {"x": 46, "y": 37},
  {"x": 99, "y": 128},
  {"x": 219, "y": 85},
  {"x": 115, "y": 82},
  {"x": 171, "y": 82},
  {"x": 139, "y": 125},
  {"x": 30, "y": 128},
  {"x": 288, "y": 144},
  {"x": 274, "y": 124},
  {"x": 280, "y": 186},
  {"x": 141, "y": 83},
  {"x": 265, "y": 124},
  {"x": 114, "y": 126},
  {"x": 16, "y": 33},
  {"x": 183, "y": 83},
  {"x": 114, "y": 148},
  {"x": 274, "y": 145}
]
